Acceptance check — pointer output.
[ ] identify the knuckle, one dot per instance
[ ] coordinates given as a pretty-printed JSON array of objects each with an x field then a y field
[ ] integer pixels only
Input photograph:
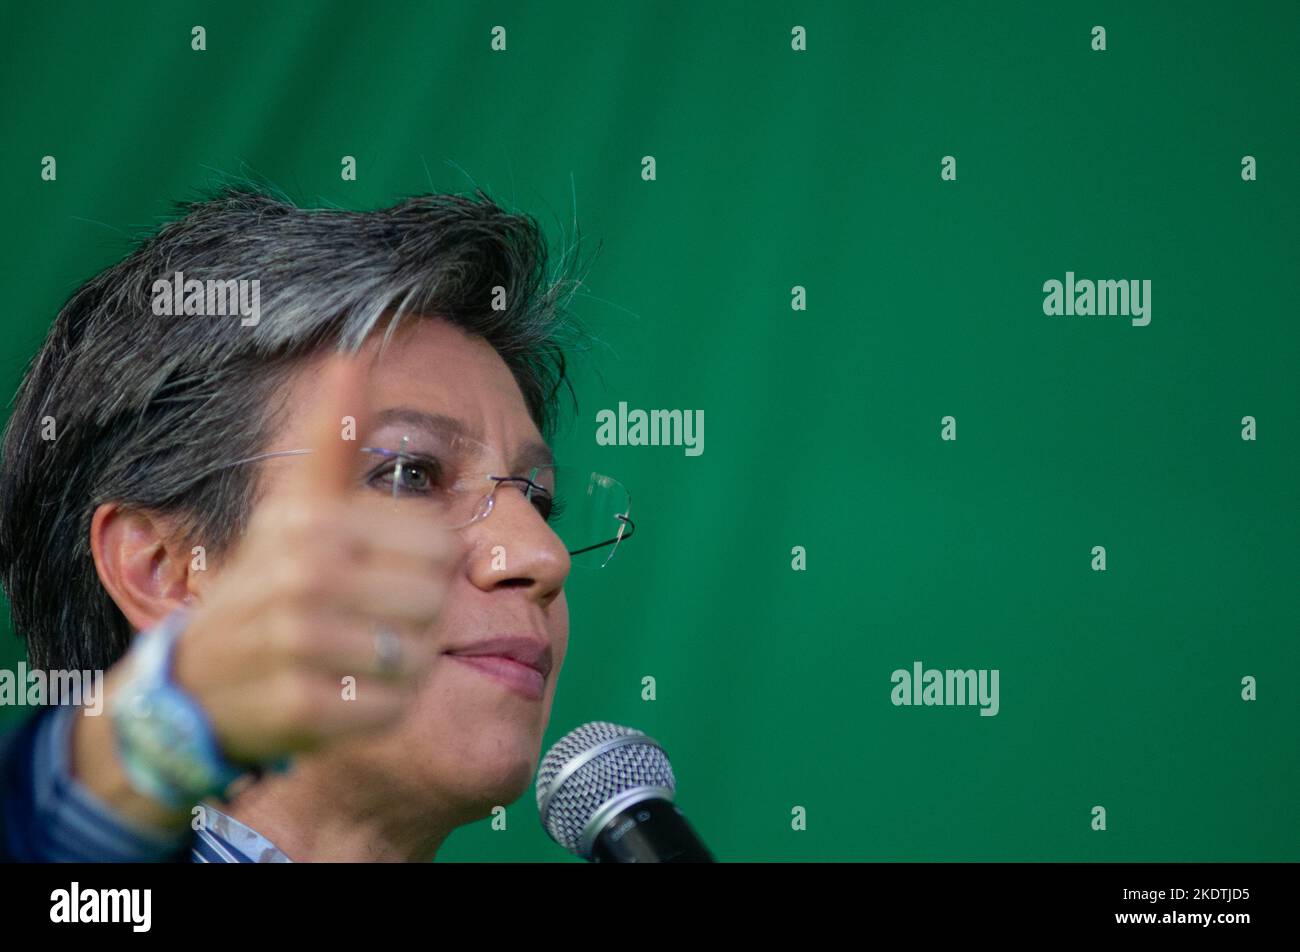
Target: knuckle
[
  {"x": 280, "y": 516},
  {"x": 293, "y": 634},
  {"x": 302, "y": 521},
  {"x": 300, "y": 578}
]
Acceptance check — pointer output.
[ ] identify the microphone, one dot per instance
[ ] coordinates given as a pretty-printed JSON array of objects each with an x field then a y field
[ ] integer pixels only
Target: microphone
[{"x": 605, "y": 793}]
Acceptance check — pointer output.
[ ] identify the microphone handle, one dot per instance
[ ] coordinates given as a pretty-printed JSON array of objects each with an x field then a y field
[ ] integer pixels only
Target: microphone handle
[{"x": 649, "y": 831}]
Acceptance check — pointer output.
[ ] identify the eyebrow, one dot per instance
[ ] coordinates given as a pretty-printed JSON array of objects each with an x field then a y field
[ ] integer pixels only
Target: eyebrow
[{"x": 530, "y": 454}]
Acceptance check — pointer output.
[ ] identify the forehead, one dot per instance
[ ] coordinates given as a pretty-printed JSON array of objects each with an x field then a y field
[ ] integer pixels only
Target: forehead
[{"x": 431, "y": 369}]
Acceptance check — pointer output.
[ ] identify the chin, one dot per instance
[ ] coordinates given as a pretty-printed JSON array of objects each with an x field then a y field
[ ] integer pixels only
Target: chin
[
  {"x": 472, "y": 765},
  {"x": 500, "y": 762},
  {"x": 495, "y": 781}
]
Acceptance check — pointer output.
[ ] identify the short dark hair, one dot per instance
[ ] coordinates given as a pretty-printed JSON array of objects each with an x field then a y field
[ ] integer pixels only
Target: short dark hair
[{"x": 146, "y": 407}]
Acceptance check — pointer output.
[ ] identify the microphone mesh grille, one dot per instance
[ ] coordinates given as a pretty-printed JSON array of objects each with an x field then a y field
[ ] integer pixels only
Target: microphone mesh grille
[{"x": 596, "y": 782}]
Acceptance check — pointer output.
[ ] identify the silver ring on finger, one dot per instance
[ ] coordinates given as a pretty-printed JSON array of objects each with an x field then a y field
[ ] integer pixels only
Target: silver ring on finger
[{"x": 388, "y": 651}]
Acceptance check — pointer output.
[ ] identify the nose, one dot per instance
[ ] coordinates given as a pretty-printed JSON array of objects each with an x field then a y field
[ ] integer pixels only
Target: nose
[{"x": 514, "y": 547}]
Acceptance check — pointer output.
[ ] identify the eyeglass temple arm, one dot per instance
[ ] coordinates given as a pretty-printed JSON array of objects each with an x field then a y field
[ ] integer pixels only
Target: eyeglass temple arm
[{"x": 629, "y": 528}]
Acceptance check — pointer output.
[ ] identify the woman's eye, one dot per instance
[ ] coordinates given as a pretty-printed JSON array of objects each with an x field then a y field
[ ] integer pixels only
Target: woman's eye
[
  {"x": 412, "y": 476},
  {"x": 407, "y": 475}
]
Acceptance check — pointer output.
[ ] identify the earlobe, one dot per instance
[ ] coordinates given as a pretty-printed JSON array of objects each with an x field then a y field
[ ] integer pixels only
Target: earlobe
[{"x": 137, "y": 565}]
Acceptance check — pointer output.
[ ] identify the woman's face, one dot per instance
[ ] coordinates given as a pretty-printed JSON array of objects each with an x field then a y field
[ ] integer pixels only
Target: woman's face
[{"x": 471, "y": 739}]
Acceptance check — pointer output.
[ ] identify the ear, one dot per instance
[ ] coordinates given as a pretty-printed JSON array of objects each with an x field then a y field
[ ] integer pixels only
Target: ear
[{"x": 140, "y": 564}]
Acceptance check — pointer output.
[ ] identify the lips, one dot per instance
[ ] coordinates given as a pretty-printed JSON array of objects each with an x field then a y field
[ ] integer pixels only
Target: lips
[{"x": 521, "y": 662}]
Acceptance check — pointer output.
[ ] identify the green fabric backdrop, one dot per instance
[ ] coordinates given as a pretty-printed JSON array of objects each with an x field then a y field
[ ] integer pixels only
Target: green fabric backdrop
[{"x": 821, "y": 168}]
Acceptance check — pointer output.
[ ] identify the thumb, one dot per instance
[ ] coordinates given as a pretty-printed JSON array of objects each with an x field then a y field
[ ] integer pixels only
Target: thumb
[{"x": 338, "y": 426}]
